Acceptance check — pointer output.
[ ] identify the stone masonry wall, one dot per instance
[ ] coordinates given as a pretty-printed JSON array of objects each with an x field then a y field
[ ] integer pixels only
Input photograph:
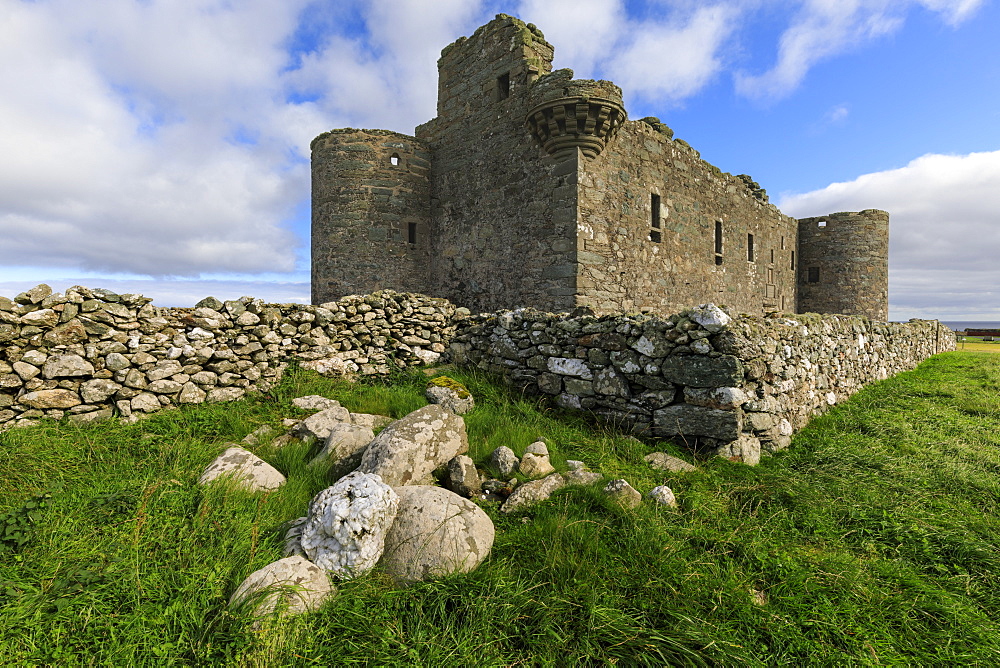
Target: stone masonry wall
[
  {"x": 632, "y": 258},
  {"x": 87, "y": 354},
  {"x": 732, "y": 387},
  {"x": 370, "y": 213}
]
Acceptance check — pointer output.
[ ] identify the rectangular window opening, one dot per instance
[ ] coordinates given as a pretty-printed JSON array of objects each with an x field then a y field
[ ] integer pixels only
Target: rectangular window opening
[
  {"x": 749, "y": 247},
  {"x": 718, "y": 237},
  {"x": 411, "y": 233},
  {"x": 814, "y": 274},
  {"x": 792, "y": 267},
  {"x": 503, "y": 86},
  {"x": 654, "y": 236},
  {"x": 772, "y": 256},
  {"x": 718, "y": 259},
  {"x": 654, "y": 213}
]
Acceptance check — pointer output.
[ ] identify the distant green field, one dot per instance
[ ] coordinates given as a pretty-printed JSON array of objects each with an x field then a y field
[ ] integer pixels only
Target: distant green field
[
  {"x": 873, "y": 540},
  {"x": 976, "y": 344}
]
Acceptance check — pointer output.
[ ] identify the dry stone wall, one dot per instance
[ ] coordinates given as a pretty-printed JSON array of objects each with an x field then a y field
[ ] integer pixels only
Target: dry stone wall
[
  {"x": 726, "y": 386},
  {"x": 88, "y": 354}
]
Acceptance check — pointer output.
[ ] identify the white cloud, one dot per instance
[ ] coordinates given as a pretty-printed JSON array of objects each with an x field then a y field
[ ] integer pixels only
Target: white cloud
[
  {"x": 584, "y": 32},
  {"x": 944, "y": 229},
  {"x": 824, "y": 28}
]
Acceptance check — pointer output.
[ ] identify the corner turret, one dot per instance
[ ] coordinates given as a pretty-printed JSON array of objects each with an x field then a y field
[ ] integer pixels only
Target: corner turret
[{"x": 843, "y": 264}]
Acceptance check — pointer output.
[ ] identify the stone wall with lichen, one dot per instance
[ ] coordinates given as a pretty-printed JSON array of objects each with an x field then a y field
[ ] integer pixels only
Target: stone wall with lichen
[
  {"x": 89, "y": 354},
  {"x": 729, "y": 386}
]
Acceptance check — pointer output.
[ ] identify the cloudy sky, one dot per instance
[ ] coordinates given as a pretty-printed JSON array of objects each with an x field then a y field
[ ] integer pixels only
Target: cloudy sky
[{"x": 162, "y": 146}]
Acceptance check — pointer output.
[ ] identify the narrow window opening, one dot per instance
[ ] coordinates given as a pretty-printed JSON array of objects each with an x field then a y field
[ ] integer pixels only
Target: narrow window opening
[
  {"x": 411, "y": 233},
  {"x": 770, "y": 275},
  {"x": 821, "y": 223},
  {"x": 792, "y": 267},
  {"x": 814, "y": 274},
  {"x": 749, "y": 248},
  {"x": 654, "y": 236},
  {"x": 782, "y": 243},
  {"x": 772, "y": 256},
  {"x": 654, "y": 215},
  {"x": 394, "y": 160},
  {"x": 718, "y": 242},
  {"x": 503, "y": 86}
]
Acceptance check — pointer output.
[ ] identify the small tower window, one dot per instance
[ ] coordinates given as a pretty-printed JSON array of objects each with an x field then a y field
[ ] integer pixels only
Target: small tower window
[
  {"x": 718, "y": 242},
  {"x": 503, "y": 86},
  {"x": 654, "y": 214},
  {"x": 792, "y": 267},
  {"x": 772, "y": 256},
  {"x": 814, "y": 274},
  {"x": 411, "y": 233},
  {"x": 654, "y": 236},
  {"x": 821, "y": 223},
  {"x": 749, "y": 248},
  {"x": 394, "y": 160}
]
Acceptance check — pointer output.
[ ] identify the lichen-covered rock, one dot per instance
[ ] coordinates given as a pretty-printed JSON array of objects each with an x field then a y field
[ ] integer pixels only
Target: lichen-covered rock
[
  {"x": 63, "y": 366},
  {"x": 709, "y": 316},
  {"x": 463, "y": 478},
  {"x": 535, "y": 466},
  {"x": 744, "y": 449},
  {"x": 289, "y": 586},
  {"x": 314, "y": 402},
  {"x": 369, "y": 420},
  {"x": 246, "y": 469},
  {"x": 450, "y": 394},
  {"x": 320, "y": 425},
  {"x": 623, "y": 493},
  {"x": 581, "y": 478},
  {"x": 664, "y": 462},
  {"x": 436, "y": 533},
  {"x": 531, "y": 493},
  {"x": 409, "y": 449},
  {"x": 293, "y": 537},
  {"x": 347, "y": 524},
  {"x": 344, "y": 446},
  {"x": 55, "y": 398},
  {"x": 504, "y": 460},
  {"x": 664, "y": 496}
]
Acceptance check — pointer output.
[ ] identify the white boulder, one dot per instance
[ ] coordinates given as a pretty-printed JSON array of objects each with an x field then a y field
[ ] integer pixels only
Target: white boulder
[
  {"x": 347, "y": 524},
  {"x": 409, "y": 449}
]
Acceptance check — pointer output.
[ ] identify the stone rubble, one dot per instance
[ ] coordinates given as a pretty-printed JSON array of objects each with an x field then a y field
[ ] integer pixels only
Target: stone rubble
[{"x": 245, "y": 468}]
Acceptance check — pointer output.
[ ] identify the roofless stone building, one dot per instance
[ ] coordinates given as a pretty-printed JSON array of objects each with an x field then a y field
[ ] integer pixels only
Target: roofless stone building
[{"x": 532, "y": 188}]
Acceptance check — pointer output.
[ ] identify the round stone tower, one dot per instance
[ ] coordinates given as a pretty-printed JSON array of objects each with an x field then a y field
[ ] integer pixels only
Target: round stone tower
[
  {"x": 370, "y": 213},
  {"x": 843, "y": 264}
]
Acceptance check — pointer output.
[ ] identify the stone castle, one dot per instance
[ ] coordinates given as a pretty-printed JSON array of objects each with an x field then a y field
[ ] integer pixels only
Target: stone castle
[{"x": 531, "y": 188}]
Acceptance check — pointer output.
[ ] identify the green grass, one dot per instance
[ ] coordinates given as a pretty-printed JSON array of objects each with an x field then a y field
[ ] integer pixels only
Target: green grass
[{"x": 873, "y": 540}]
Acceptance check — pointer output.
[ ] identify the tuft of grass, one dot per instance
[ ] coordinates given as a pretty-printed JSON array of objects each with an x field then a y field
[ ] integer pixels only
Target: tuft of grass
[{"x": 873, "y": 540}]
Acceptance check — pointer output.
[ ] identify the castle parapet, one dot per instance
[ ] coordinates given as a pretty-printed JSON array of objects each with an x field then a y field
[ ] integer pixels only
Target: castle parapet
[{"x": 568, "y": 113}]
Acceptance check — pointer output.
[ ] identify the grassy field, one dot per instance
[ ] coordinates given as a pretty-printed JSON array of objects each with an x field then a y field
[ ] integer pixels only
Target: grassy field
[
  {"x": 977, "y": 345},
  {"x": 873, "y": 540}
]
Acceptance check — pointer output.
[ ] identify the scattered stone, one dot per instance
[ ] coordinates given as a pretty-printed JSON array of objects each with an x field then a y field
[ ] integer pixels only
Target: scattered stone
[
  {"x": 664, "y": 495},
  {"x": 531, "y": 493},
  {"x": 314, "y": 402},
  {"x": 576, "y": 465},
  {"x": 258, "y": 435},
  {"x": 581, "y": 478},
  {"x": 463, "y": 478},
  {"x": 664, "y": 462},
  {"x": 344, "y": 447},
  {"x": 436, "y": 533},
  {"x": 409, "y": 449},
  {"x": 320, "y": 425},
  {"x": 293, "y": 537},
  {"x": 369, "y": 420},
  {"x": 347, "y": 524},
  {"x": 535, "y": 466},
  {"x": 623, "y": 493},
  {"x": 504, "y": 460},
  {"x": 537, "y": 448},
  {"x": 709, "y": 316},
  {"x": 293, "y": 585},
  {"x": 247, "y": 469}
]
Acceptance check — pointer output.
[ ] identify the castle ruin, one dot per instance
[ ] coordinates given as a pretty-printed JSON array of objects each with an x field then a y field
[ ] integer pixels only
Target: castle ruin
[{"x": 532, "y": 188}]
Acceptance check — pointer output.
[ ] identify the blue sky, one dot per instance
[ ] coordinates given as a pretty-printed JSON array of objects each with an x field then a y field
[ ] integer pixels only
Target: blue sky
[{"x": 162, "y": 146}]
